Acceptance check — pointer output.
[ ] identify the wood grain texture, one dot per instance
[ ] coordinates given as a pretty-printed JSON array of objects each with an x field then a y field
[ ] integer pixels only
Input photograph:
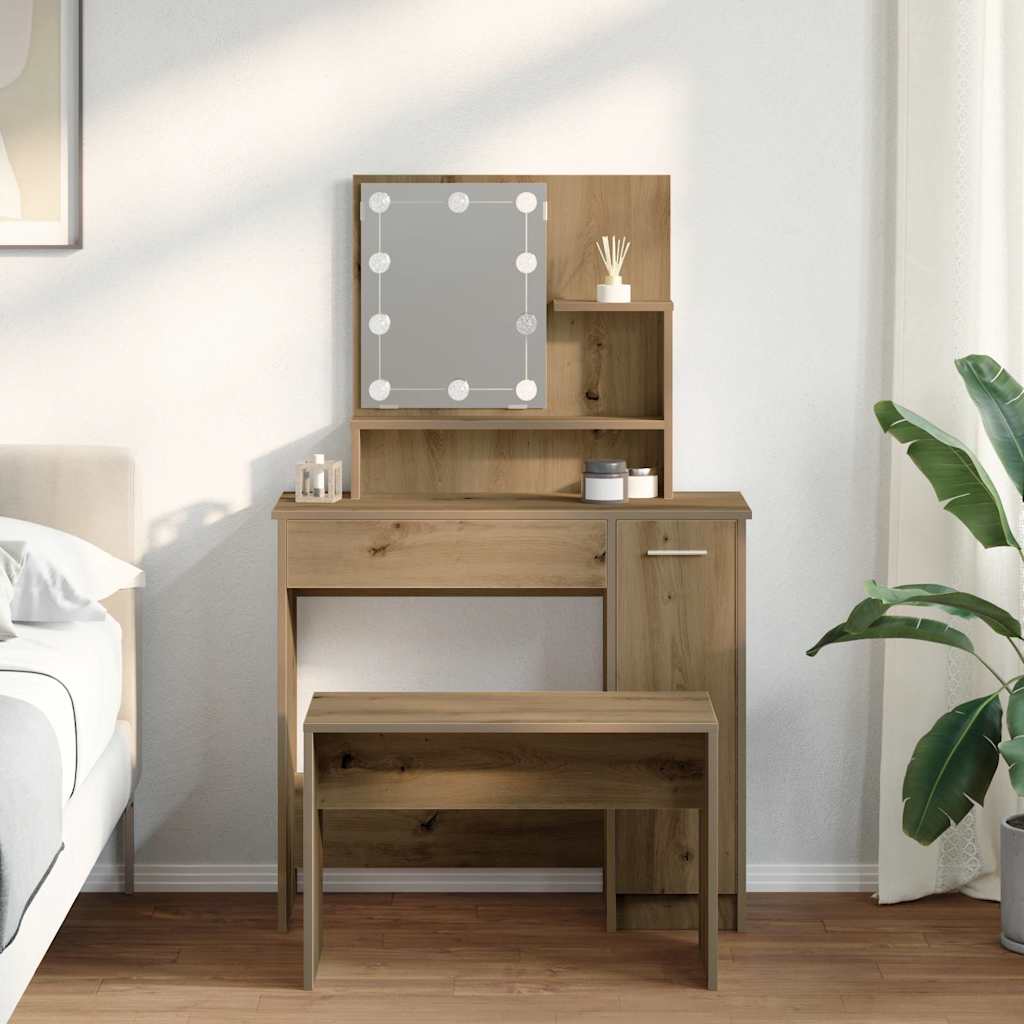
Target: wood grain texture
[
  {"x": 814, "y": 958},
  {"x": 313, "y": 862},
  {"x": 508, "y": 771},
  {"x": 741, "y": 724},
  {"x": 602, "y": 360},
  {"x": 494, "y": 462},
  {"x": 708, "y": 917},
  {"x": 606, "y": 364},
  {"x": 519, "y": 711},
  {"x": 287, "y": 673},
  {"x": 384, "y": 554},
  {"x": 535, "y": 751},
  {"x": 593, "y": 306},
  {"x": 608, "y": 874},
  {"x": 432, "y": 838},
  {"x": 580, "y": 208},
  {"x": 683, "y": 505},
  {"x": 526, "y": 421},
  {"x": 668, "y": 912},
  {"x": 677, "y": 632},
  {"x": 528, "y": 838}
]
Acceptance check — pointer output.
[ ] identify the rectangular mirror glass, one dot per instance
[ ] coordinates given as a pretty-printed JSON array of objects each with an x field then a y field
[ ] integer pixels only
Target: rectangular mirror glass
[{"x": 453, "y": 295}]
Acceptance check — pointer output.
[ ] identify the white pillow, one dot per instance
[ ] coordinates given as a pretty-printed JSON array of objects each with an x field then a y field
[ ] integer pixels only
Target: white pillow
[
  {"x": 63, "y": 577},
  {"x": 10, "y": 570}
]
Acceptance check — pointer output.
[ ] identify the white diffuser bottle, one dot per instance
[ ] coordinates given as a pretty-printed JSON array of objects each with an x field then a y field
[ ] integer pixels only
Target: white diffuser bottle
[{"x": 613, "y": 255}]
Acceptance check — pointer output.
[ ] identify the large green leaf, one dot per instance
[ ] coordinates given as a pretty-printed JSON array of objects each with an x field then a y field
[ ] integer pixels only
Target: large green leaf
[
  {"x": 1000, "y": 400},
  {"x": 952, "y": 767},
  {"x": 946, "y": 599},
  {"x": 953, "y": 470},
  {"x": 897, "y": 627},
  {"x": 1013, "y": 748}
]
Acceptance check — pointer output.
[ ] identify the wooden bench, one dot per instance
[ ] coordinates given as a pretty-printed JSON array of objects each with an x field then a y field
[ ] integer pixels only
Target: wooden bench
[{"x": 512, "y": 751}]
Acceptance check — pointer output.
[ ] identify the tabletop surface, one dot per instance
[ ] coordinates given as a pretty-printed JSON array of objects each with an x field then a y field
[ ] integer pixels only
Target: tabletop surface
[
  {"x": 520, "y": 711},
  {"x": 703, "y": 504}
]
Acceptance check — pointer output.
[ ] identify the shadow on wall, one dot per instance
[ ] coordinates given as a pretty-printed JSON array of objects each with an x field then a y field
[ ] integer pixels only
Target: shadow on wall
[{"x": 210, "y": 643}]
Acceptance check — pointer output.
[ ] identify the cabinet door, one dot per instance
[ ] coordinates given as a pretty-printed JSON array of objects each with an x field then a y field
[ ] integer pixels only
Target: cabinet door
[{"x": 676, "y": 630}]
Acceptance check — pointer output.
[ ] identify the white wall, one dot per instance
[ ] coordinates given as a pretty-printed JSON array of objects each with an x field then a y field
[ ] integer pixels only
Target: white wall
[{"x": 206, "y": 324}]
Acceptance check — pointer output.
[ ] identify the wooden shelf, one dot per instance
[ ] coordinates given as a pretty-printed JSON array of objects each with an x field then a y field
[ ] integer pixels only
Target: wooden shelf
[
  {"x": 512, "y": 422},
  {"x": 609, "y": 366},
  {"x": 700, "y": 504},
  {"x": 591, "y": 306}
]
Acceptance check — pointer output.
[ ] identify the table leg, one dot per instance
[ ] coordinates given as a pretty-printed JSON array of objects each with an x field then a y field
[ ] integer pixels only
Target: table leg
[
  {"x": 287, "y": 610},
  {"x": 709, "y": 865},
  {"x": 312, "y": 869},
  {"x": 610, "y": 902}
]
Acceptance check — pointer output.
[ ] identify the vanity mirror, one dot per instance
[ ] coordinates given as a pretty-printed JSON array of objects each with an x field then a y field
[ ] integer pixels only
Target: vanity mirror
[{"x": 453, "y": 295}]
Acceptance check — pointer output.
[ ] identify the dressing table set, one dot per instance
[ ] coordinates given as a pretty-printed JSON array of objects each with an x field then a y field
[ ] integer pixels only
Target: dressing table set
[{"x": 484, "y": 379}]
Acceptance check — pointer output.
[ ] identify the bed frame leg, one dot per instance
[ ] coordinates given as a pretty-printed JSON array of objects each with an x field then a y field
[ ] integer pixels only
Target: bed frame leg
[{"x": 128, "y": 847}]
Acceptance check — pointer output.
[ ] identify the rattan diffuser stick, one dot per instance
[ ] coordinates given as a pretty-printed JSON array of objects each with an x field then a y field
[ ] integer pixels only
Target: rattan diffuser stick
[{"x": 613, "y": 255}]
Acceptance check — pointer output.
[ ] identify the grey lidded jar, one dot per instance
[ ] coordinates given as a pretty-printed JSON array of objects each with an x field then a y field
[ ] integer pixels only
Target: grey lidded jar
[{"x": 1011, "y": 871}]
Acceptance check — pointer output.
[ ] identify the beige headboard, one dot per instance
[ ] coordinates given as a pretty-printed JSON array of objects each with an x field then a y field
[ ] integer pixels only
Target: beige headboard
[{"x": 90, "y": 492}]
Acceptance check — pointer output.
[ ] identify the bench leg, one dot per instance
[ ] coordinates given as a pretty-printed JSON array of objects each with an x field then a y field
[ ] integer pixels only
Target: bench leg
[
  {"x": 610, "y": 901},
  {"x": 313, "y": 881},
  {"x": 709, "y": 865}
]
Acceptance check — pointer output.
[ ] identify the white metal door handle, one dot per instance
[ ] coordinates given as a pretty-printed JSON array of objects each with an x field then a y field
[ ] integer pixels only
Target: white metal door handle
[{"x": 673, "y": 553}]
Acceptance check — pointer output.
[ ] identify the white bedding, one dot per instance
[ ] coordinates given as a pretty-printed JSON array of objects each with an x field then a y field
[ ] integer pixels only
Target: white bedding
[{"x": 71, "y": 671}]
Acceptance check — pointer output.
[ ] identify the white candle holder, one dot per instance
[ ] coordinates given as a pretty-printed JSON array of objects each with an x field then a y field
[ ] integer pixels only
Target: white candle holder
[{"x": 318, "y": 480}]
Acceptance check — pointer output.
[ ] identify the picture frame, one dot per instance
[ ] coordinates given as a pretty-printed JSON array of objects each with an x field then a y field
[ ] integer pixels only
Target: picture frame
[{"x": 40, "y": 124}]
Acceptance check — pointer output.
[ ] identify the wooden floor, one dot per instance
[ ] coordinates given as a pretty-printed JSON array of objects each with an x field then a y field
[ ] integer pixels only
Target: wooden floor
[{"x": 442, "y": 959}]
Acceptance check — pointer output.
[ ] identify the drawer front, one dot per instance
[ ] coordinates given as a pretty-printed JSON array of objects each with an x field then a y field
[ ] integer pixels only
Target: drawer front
[
  {"x": 677, "y": 630},
  {"x": 381, "y": 554}
]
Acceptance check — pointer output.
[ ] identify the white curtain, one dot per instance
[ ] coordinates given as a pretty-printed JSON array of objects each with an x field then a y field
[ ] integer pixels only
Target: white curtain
[{"x": 958, "y": 284}]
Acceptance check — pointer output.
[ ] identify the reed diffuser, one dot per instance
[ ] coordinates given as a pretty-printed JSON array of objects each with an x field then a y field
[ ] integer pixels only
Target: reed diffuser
[{"x": 613, "y": 255}]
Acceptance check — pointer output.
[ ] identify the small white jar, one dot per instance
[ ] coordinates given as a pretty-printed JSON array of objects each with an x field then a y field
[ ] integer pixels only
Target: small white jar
[
  {"x": 604, "y": 480},
  {"x": 643, "y": 483}
]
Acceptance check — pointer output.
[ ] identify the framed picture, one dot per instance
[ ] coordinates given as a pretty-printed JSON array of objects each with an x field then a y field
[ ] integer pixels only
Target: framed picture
[{"x": 40, "y": 124}]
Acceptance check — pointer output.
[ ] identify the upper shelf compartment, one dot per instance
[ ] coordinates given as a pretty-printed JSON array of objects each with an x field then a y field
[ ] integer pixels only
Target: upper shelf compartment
[{"x": 592, "y": 306}]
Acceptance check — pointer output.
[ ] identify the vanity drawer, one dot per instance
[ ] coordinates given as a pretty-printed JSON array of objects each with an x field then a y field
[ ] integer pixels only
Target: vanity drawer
[{"x": 381, "y": 554}]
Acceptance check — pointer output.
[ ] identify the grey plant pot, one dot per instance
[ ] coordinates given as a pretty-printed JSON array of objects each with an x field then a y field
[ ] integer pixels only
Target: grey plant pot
[{"x": 1012, "y": 875}]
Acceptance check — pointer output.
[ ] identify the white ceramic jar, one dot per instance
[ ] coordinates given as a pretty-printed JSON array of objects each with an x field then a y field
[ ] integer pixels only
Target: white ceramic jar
[{"x": 605, "y": 480}]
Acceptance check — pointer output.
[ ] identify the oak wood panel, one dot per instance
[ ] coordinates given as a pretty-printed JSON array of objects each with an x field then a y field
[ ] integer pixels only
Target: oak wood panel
[
  {"x": 667, "y": 912},
  {"x": 741, "y": 725},
  {"x": 432, "y": 838},
  {"x": 527, "y": 421},
  {"x": 580, "y": 208},
  {"x": 667, "y": 483},
  {"x": 593, "y": 306},
  {"x": 519, "y": 711},
  {"x": 515, "y": 771},
  {"x": 381, "y": 554},
  {"x": 608, "y": 874},
  {"x": 286, "y": 731},
  {"x": 497, "y": 462},
  {"x": 313, "y": 863},
  {"x": 682, "y": 504},
  {"x": 708, "y": 857},
  {"x": 605, "y": 364},
  {"x": 677, "y": 631}
]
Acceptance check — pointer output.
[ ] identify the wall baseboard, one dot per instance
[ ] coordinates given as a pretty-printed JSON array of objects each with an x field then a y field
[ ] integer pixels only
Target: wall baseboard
[{"x": 263, "y": 878}]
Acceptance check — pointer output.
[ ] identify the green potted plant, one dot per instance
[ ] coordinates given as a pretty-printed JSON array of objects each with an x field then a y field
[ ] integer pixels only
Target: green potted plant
[{"x": 954, "y": 763}]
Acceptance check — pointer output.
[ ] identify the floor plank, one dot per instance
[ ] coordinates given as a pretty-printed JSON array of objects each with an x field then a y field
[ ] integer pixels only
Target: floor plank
[{"x": 185, "y": 958}]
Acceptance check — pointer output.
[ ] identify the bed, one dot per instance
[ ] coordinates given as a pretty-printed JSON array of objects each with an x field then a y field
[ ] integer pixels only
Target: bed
[{"x": 90, "y": 492}]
